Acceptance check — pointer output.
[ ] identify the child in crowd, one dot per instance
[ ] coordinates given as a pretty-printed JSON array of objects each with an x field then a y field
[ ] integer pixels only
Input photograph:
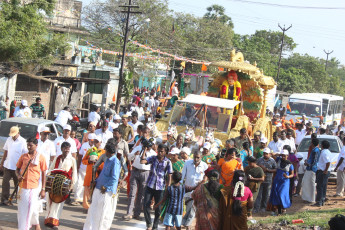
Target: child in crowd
[
  {"x": 301, "y": 170},
  {"x": 174, "y": 193}
]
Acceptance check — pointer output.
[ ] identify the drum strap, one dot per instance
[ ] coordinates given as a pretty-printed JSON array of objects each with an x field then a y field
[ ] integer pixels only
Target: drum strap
[{"x": 57, "y": 165}]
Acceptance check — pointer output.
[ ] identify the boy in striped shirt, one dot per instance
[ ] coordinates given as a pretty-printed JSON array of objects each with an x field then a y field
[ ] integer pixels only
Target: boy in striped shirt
[{"x": 175, "y": 194}]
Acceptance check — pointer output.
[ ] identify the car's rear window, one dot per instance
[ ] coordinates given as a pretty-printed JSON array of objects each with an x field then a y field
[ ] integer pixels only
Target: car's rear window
[
  {"x": 26, "y": 130},
  {"x": 304, "y": 146}
]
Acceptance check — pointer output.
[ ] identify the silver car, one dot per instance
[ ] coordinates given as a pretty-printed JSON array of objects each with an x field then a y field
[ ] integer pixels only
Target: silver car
[
  {"x": 335, "y": 149},
  {"x": 28, "y": 128}
]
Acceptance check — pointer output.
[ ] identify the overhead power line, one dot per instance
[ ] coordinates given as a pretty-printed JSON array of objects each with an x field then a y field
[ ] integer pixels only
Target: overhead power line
[{"x": 290, "y": 6}]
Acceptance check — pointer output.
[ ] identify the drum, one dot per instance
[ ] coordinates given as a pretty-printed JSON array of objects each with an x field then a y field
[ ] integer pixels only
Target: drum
[{"x": 58, "y": 185}]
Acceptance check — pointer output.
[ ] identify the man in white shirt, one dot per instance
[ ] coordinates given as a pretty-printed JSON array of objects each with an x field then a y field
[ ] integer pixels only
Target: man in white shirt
[
  {"x": 104, "y": 133},
  {"x": 292, "y": 141},
  {"x": 322, "y": 173},
  {"x": 275, "y": 146},
  {"x": 300, "y": 133},
  {"x": 45, "y": 146},
  {"x": 193, "y": 173},
  {"x": 151, "y": 103},
  {"x": 23, "y": 110},
  {"x": 174, "y": 91},
  {"x": 134, "y": 123},
  {"x": 14, "y": 147},
  {"x": 79, "y": 185},
  {"x": 94, "y": 116},
  {"x": 138, "y": 178},
  {"x": 285, "y": 141},
  {"x": 340, "y": 172},
  {"x": 66, "y": 137},
  {"x": 63, "y": 116}
]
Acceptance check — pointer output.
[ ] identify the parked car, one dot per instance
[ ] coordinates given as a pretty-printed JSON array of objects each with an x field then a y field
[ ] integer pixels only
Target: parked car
[
  {"x": 28, "y": 128},
  {"x": 335, "y": 149}
]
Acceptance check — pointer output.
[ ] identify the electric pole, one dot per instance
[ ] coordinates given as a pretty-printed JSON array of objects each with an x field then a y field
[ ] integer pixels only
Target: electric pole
[
  {"x": 281, "y": 48},
  {"x": 119, "y": 90},
  {"x": 327, "y": 53}
]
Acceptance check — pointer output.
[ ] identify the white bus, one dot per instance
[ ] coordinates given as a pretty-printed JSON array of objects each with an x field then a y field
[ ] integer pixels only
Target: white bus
[{"x": 315, "y": 106}]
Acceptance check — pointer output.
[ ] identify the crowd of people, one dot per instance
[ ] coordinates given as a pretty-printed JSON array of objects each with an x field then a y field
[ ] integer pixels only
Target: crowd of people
[{"x": 184, "y": 185}]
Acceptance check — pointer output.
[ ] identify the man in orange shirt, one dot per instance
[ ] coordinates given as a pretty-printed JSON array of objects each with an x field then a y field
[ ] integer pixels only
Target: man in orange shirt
[
  {"x": 29, "y": 191},
  {"x": 90, "y": 158}
]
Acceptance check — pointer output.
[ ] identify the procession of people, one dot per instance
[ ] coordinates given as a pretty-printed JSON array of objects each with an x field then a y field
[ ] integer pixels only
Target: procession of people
[{"x": 184, "y": 186}]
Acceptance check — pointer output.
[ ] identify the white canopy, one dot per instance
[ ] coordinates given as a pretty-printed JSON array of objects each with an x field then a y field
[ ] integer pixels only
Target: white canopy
[{"x": 210, "y": 101}]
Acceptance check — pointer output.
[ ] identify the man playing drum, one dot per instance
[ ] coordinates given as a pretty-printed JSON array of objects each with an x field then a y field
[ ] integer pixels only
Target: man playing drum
[{"x": 67, "y": 163}]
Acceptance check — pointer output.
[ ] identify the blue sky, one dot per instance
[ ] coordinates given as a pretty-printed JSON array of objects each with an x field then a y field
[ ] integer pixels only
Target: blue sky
[{"x": 314, "y": 30}]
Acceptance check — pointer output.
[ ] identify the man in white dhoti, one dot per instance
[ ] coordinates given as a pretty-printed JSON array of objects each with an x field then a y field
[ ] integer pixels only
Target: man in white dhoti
[
  {"x": 309, "y": 178},
  {"x": 104, "y": 199},
  {"x": 30, "y": 166},
  {"x": 67, "y": 163},
  {"x": 45, "y": 147}
]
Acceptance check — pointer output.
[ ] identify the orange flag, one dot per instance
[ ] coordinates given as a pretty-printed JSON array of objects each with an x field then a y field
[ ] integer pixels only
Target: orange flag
[
  {"x": 203, "y": 67},
  {"x": 220, "y": 69},
  {"x": 288, "y": 107},
  {"x": 159, "y": 88},
  {"x": 114, "y": 98}
]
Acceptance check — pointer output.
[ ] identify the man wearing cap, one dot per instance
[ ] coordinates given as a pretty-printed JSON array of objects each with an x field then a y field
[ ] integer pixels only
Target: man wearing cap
[
  {"x": 117, "y": 121},
  {"x": 177, "y": 164},
  {"x": 269, "y": 166},
  {"x": 257, "y": 140},
  {"x": 79, "y": 186},
  {"x": 258, "y": 152},
  {"x": 45, "y": 146},
  {"x": 208, "y": 157},
  {"x": 38, "y": 109},
  {"x": 89, "y": 159},
  {"x": 185, "y": 153},
  {"x": 23, "y": 110},
  {"x": 276, "y": 145},
  {"x": 126, "y": 130},
  {"x": 146, "y": 118},
  {"x": 134, "y": 123},
  {"x": 243, "y": 137},
  {"x": 91, "y": 129},
  {"x": 63, "y": 116},
  {"x": 104, "y": 133},
  {"x": 14, "y": 147},
  {"x": 66, "y": 138},
  {"x": 138, "y": 178}
]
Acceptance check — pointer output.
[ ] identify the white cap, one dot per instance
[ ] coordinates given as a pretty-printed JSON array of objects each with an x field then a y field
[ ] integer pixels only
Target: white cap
[
  {"x": 303, "y": 115},
  {"x": 263, "y": 140},
  {"x": 91, "y": 136},
  {"x": 175, "y": 151},
  {"x": 279, "y": 125},
  {"x": 310, "y": 121},
  {"x": 285, "y": 152},
  {"x": 44, "y": 129},
  {"x": 68, "y": 127},
  {"x": 98, "y": 138},
  {"x": 24, "y": 103},
  {"x": 186, "y": 150},
  {"x": 207, "y": 145},
  {"x": 117, "y": 117},
  {"x": 267, "y": 150},
  {"x": 299, "y": 155},
  {"x": 129, "y": 114}
]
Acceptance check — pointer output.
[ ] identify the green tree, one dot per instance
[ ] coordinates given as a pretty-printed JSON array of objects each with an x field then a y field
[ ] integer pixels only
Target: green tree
[
  {"x": 217, "y": 12},
  {"x": 23, "y": 34}
]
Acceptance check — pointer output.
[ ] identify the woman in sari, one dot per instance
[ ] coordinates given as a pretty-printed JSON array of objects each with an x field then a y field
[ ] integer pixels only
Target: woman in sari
[
  {"x": 234, "y": 203},
  {"x": 227, "y": 166},
  {"x": 206, "y": 201},
  {"x": 280, "y": 198}
]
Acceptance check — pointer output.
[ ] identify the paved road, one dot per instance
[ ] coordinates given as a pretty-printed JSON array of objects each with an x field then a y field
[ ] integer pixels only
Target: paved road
[{"x": 73, "y": 217}]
